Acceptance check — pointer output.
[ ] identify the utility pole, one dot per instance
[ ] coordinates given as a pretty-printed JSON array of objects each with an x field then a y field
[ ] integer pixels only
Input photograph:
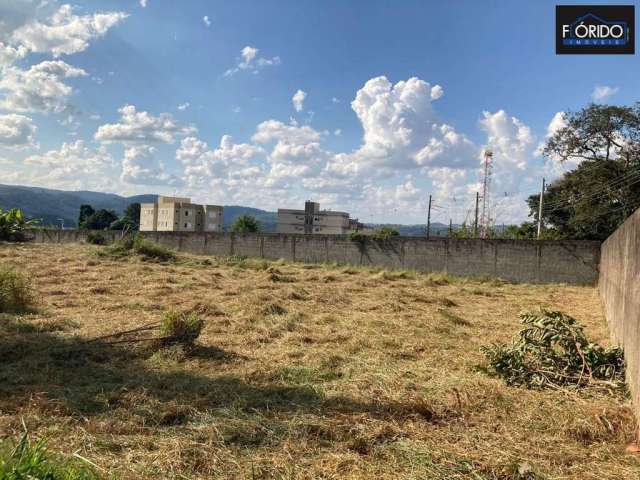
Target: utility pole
[
  {"x": 450, "y": 227},
  {"x": 429, "y": 217},
  {"x": 540, "y": 208},
  {"x": 475, "y": 222}
]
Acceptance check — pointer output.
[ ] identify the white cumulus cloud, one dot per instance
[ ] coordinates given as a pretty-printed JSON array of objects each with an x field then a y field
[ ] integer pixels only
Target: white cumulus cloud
[
  {"x": 65, "y": 32},
  {"x": 202, "y": 164},
  {"x": 9, "y": 54},
  {"x": 17, "y": 131},
  {"x": 206, "y": 21},
  {"x": 602, "y": 93},
  {"x": 142, "y": 127},
  {"x": 140, "y": 167},
  {"x": 38, "y": 89},
  {"x": 298, "y": 100},
  {"x": 249, "y": 61},
  {"x": 401, "y": 129}
]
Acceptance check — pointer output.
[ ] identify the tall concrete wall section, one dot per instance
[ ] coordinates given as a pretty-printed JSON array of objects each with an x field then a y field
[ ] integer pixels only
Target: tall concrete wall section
[
  {"x": 619, "y": 286},
  {"x": 531, "y": 261}
]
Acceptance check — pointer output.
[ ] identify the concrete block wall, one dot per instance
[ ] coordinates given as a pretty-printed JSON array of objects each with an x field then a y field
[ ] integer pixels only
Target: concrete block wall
[
  {"x": 574, "y": 262},
  {"x": 619, "y": 286}
]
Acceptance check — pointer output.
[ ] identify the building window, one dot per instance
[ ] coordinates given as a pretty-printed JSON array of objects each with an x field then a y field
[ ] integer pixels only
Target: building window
[
  {"x": 186, "y": 214},
  {"x": 185, "y": 225}
]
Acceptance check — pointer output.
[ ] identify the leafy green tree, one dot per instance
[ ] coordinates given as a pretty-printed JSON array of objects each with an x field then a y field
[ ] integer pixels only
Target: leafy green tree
[
  {"x": 246, "y": 224},
  {"x": 100, "y": 220},
  {"x": 13, "y": 225},
  {"x": 85, "y": 212},
  {"x": 130, "y": 219},
  {"x": 132, "y": 214},
  {"x": 592, "y": 200}
]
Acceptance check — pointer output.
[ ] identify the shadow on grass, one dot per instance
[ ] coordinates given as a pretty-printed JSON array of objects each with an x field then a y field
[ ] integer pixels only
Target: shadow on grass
[{"x": 90, "y": 378}]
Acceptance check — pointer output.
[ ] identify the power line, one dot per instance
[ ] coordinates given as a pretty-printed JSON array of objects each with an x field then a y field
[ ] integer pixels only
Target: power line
[
  {"x": 617, "y": 183},
  {"x": 602, "y": 186},
  {"x": 608, "y": 184}
]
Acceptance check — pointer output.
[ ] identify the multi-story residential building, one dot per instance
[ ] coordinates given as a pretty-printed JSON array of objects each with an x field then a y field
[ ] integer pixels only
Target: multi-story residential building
[
  {"x": 174, "y": 214},
  {"x": 314, "y": 220}
]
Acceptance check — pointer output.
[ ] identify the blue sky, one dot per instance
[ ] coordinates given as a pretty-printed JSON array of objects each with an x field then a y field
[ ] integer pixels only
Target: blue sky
[{"x": 397, "y": 100}]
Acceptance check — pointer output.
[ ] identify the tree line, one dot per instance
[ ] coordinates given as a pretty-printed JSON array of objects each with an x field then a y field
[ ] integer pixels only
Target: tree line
[{"x": 103, "y": 219}]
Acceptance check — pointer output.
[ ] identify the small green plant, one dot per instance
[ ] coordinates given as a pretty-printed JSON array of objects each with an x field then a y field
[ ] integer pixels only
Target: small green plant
[
  {"x": 138, "y": 245},
  {"x": 26, "y": 461},
  {"x": 552, "y": 351},
  {"x": 246, "y": 224},
  {"x": 15, "y": 291},
  {"x": 385, "y": 233},
  {"x": 13, "y": 225},
  {"x": 151, "y": 251},
  {"x": 380, "y": 235},
  {"x": 96, "y": 238},
  {"x": 180, "y": 328},
  {"x": 357, "y": 237}
]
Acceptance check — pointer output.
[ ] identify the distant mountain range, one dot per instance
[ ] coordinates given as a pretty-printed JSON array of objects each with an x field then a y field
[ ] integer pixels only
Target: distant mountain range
[{"x": 53, "y": 207}]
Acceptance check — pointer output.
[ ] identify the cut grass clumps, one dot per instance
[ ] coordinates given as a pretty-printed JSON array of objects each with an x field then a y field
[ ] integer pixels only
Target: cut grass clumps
[
  {"x": 96, "y": 238},
  {"x": 552, "y": 351},
  {"x": 15, "y": 291},
  {"x": 273, "y": 309},
  {"x": 26, "y": 461},
  {"x": 152, "y": 251},
  {"x": 180, "y": 328},
  {"x": 138, "y": 245}
]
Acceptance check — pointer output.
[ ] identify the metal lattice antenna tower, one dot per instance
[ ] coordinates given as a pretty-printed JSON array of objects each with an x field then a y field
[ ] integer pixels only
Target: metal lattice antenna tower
[{"x": 485, "y": 218}]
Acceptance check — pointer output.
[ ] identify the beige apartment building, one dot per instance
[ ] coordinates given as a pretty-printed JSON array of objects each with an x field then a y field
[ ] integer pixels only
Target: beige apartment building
[
  {"x": 315, "y": 221},
  {"x": 175, "y": 214}
]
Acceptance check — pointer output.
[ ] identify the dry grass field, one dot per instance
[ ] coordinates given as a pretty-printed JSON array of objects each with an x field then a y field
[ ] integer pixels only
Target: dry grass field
[{"x": 301, "y": 372}]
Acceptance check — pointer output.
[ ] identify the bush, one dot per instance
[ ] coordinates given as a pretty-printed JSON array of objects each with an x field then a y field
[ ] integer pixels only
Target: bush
[
  {"x": 138, "y": 245},
  {"x": 119, "y": 249},
  {"x": 552, "y": 351},
  {"x": 379, "y": 235},
  {"x": 26, "y": 461},
  {"x": 246, "y": 224},
  {"x": 15, "y": 291},
  {"x": 180, "y": 328},
  {"x": 96, "y": 238},
  {"x": 385, "y": 233},
  {"x": 13, "y": 225},
  {"x": 151, "y": 251},
  {"x": 357, "y": 237}
]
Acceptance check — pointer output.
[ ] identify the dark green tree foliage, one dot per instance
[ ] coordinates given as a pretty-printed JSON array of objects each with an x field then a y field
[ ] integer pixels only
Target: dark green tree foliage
[
  {"x": 591, "y": 201},
  {"x": 85, "y": 212},
  {"x": 100, "y": 220},
  {"x": 245, "y": 224},
  {"x": 528, "y": 231},
  {"x": 132, "y": 213},
  {"x": 130, "y": 219}
]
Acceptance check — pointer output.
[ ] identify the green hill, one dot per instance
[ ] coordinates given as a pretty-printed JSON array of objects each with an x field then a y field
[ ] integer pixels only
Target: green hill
[{"x": 53, "y": 207}]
